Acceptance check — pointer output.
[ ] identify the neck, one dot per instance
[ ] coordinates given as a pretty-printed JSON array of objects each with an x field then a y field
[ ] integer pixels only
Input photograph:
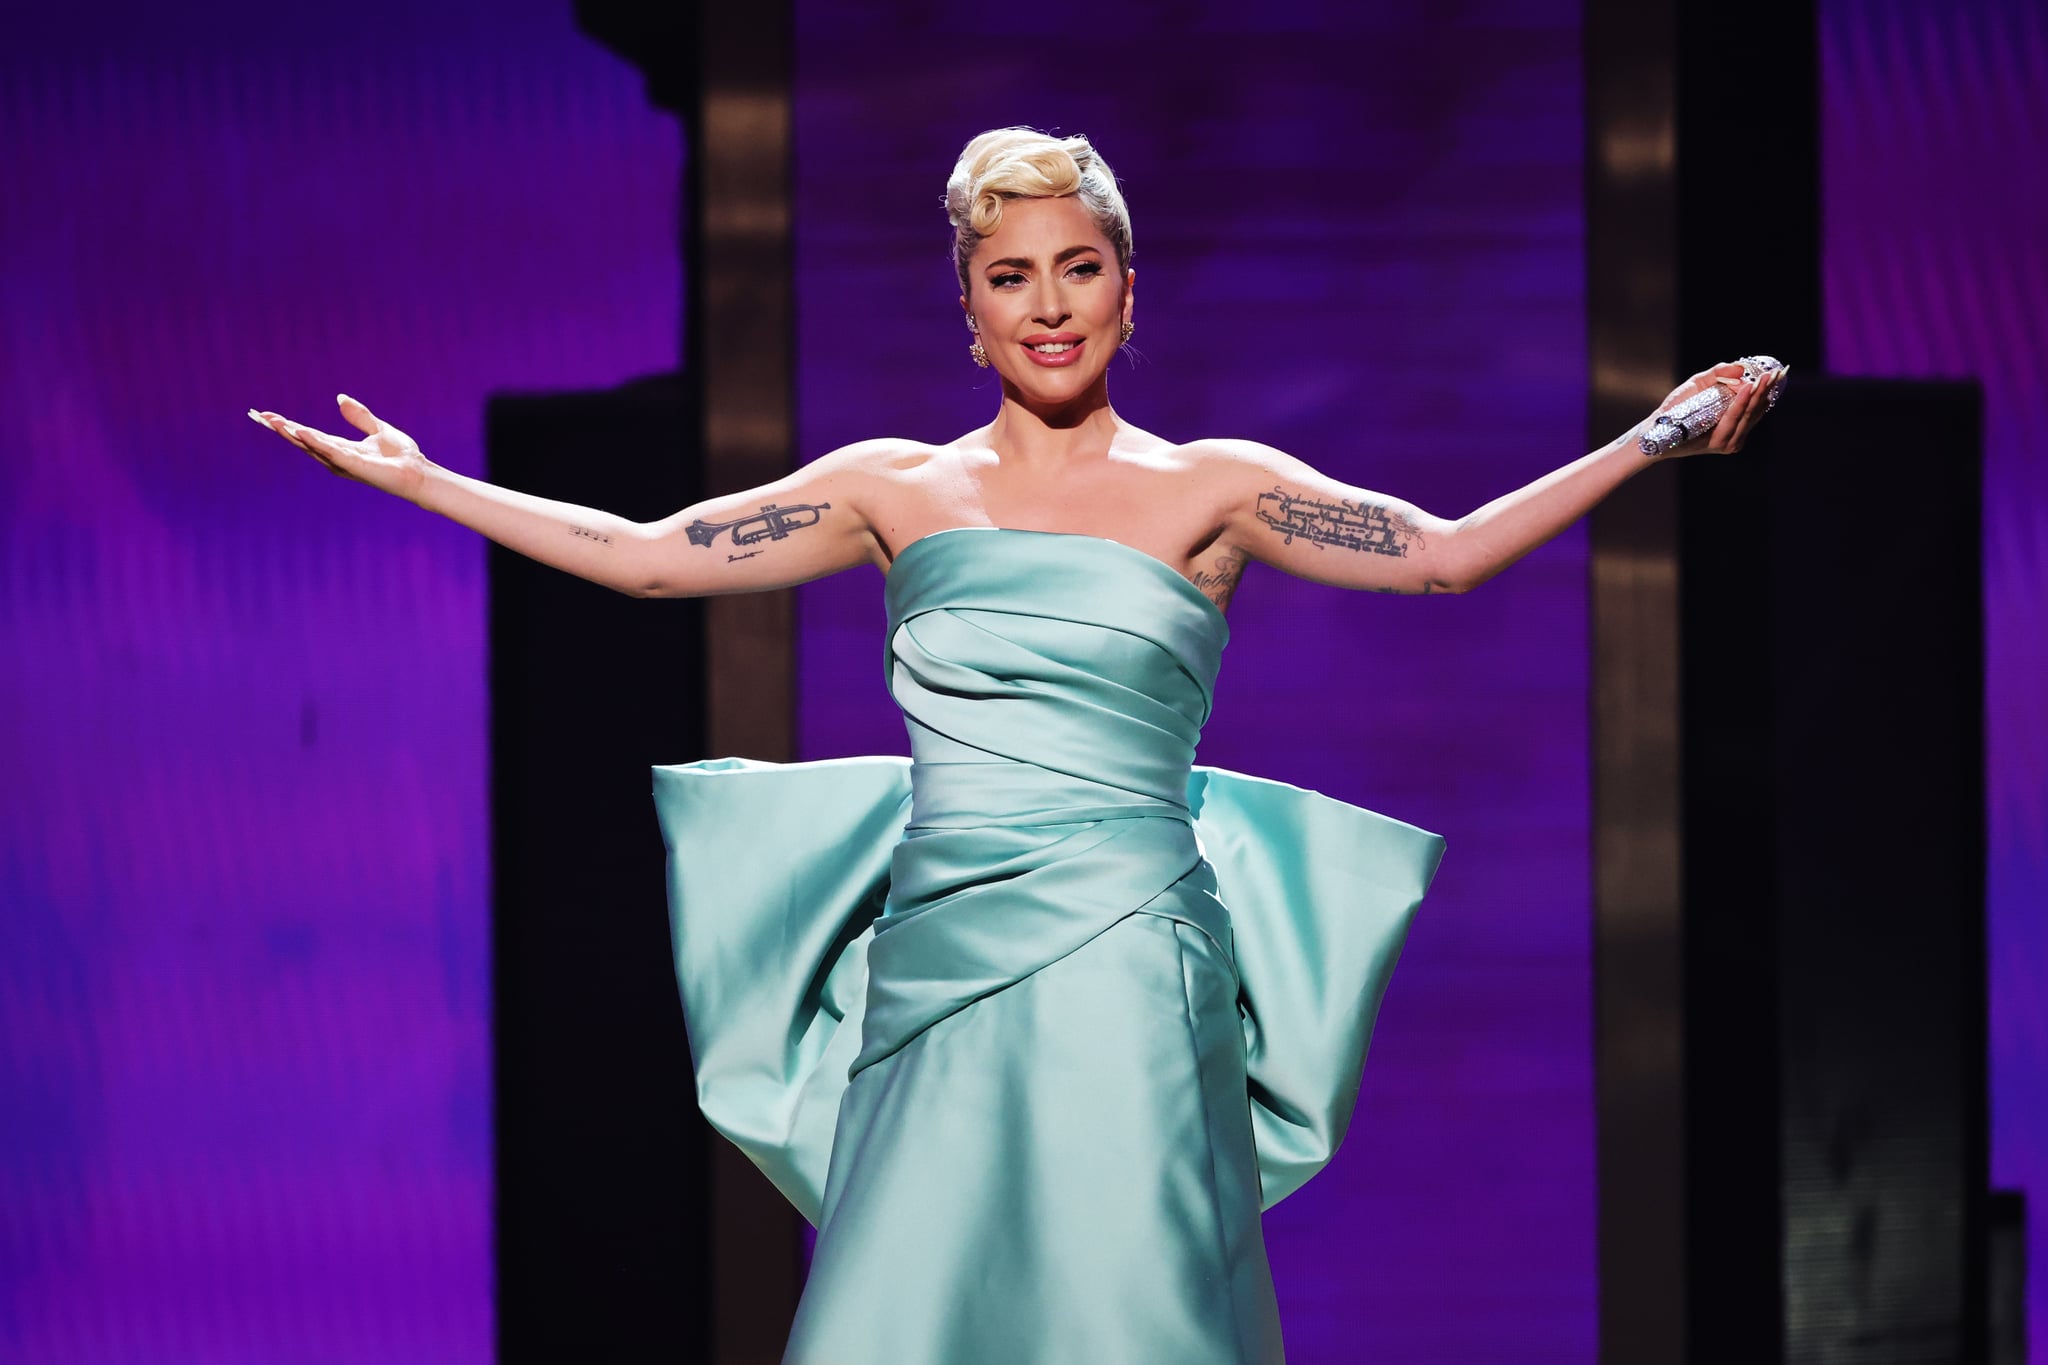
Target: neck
[{"x": 1030, "y": 432}]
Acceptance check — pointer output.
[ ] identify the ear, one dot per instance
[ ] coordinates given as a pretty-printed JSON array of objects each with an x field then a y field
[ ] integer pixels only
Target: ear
[
  {"x": 1130, "y": 292},
  {"x": 969, "y": 312}
]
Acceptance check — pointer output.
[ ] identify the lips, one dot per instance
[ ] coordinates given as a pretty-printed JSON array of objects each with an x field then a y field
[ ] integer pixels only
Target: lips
[{"x": 1054, "y": 349}]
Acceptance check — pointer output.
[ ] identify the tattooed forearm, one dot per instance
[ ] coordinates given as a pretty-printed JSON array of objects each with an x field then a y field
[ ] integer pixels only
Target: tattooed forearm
[
  {"x": 770, "y": 523},
  {"x": 1347, "y": 525},
  {"x": 588, "y": 534},
  {"x": 1220, "y": 580}
]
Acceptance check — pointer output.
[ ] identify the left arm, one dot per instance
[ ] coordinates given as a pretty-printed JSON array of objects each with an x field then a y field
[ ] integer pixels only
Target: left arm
[{"x": 1300, "y": 521}]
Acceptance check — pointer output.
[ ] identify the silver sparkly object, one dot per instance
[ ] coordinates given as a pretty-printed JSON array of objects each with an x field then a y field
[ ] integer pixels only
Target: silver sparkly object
[{"x": 1697, "y": 415}]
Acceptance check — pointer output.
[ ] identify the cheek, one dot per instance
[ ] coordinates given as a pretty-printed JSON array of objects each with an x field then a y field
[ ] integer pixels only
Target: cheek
[
  {"x": 991, "y": 307},
  {"x": 1111, "y": 303}
]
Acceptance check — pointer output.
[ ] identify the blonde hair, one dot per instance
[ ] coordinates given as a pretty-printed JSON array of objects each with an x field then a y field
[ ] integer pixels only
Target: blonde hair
[{"x": 1023, "y": 163}]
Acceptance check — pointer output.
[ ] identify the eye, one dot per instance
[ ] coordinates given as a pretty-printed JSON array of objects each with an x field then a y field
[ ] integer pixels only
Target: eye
[
  {"x": 1005, "y": 280},
  {"x": 1087, "y": 269}
]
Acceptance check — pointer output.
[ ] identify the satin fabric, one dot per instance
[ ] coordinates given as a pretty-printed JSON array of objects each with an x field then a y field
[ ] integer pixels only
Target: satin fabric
[{"x": 1033, "y": 1025}]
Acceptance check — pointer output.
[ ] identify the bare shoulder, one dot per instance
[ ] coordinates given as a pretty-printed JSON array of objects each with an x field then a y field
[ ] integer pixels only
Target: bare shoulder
[
  {"x": 871, "y": 475},
  {"x": 879, "y": 455},
  {"x": 1230, "y": 460}
]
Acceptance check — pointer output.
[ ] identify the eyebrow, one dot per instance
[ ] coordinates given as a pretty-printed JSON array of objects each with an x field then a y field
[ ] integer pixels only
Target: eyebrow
[{"x": 1018, "y": 262}]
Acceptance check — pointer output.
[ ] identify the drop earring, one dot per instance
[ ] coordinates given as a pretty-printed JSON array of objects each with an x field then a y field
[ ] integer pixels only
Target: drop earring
[
  {"x": 1125, "y": 338},
  {"x": 980, "y": 356}
]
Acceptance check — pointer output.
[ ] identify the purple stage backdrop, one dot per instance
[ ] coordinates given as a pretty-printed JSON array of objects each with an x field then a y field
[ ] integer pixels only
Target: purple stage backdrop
[
  {"x": 1935, "y": 265},
  {"x": 244, "y": 1011},
  {"x": 1319, "y": 269},
  {"x": 244, "y": 1108}
]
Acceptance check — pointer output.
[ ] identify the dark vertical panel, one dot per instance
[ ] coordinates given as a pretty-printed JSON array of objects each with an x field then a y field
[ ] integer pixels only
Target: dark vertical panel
[
  {"x": 600, "y": 1152},
  {"x": 1717, "y": 254},
  {"x": 1875, "y": 693},
  {"x": 1834, "y": 953},
  {"x": 1748, "y": 272},
  {"x": 727, "y": 70},
  {"x": 742, "y": 356},
  {"x": 1748, "y": 184},
  {"x": 1632, "y": 298},
  {"x": 742, "y": 344}
]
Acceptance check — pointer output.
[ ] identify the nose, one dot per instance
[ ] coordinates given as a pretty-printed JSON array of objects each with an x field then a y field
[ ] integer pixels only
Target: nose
[{"x": 1050, "y": 311}]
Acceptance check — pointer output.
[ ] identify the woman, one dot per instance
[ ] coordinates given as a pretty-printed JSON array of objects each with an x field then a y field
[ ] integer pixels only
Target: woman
[{"x": 1034, "y": 1027}]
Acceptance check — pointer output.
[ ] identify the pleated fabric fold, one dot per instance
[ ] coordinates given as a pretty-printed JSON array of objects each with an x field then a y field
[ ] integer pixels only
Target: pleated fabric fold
[{"x": 828, "y": 916}]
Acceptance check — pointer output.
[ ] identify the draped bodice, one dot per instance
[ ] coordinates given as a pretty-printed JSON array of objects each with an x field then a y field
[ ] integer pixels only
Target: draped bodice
[
  {"x": 1054, "y": 687},
  {"x": 1047, "y": 677}
]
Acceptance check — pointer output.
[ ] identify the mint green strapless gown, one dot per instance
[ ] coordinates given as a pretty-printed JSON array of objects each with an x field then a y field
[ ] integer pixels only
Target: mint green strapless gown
[{"x": 1033, "y": 1025}]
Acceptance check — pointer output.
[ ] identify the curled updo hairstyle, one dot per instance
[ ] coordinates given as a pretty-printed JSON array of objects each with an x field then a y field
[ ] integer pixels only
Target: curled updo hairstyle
[{"x": 1023, "y": 163}]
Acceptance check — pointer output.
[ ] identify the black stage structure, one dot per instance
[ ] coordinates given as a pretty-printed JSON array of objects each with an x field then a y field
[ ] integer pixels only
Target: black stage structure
[
  {"x": 626, "y": 1229},
  {"x": 1789, "y": 829}
]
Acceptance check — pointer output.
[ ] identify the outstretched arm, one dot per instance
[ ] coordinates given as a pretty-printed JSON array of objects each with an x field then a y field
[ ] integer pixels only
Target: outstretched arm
[
  {"x": 805, "y": 526},
  {"x": 1286, "y": 514}
]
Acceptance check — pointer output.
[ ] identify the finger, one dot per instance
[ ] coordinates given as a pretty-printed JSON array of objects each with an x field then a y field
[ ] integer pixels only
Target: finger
[
  {"x": 313, "y": 437},
  {"x": 1694, "y": 387},
  {"x": 287, "y": 429},
  {"x": 1760, "y": 404},
  {"x": 271, "y": 421},
  {"x": 360, "y": 417},
  {"x": 281, "y": 426},
  {"x": 1727, "y": 374},
  {"x": 1745, "y": 410},
  {"x": 305, "y": 439},
  {"x": 1727, "y": 435}
]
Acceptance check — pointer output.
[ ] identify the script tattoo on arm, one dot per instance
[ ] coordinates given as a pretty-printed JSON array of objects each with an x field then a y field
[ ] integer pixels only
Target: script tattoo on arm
[
  {"x": 1220, "y": 580},
  {"x": 1335, "y": 522},
  {"x": 770, "y": 523}
]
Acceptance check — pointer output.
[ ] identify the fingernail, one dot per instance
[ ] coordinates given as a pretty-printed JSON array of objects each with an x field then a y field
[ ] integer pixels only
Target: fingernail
[{"x": 341, "y": 398}]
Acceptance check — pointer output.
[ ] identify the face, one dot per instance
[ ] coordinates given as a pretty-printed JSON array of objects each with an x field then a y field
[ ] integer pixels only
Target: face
[{"x": 1046, "y": 298}]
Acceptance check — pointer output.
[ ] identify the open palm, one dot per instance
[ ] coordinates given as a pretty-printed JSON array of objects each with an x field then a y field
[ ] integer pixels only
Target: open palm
[{"x": 383, "y": 457}]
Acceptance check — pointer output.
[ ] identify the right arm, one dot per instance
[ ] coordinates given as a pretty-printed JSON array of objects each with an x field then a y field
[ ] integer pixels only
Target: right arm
[{"x": 811, "y": 523}]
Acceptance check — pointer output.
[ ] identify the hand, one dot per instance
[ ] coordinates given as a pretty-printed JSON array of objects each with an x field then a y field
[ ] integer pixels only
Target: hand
[
  {"x": 1749, "y": 402},
  {"x": 385, "y": 458}
]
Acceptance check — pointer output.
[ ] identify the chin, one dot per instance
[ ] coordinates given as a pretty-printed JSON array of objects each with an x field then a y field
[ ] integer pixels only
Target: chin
[{"x": 1054, "y": 387}]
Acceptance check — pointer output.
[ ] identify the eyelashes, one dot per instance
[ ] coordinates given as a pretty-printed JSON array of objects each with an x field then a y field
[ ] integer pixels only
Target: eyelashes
[{"x": 1083, "y": 270}]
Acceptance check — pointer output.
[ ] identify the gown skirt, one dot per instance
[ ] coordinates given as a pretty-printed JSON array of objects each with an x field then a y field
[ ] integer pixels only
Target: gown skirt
[{"x": 1033, "y": 1025}]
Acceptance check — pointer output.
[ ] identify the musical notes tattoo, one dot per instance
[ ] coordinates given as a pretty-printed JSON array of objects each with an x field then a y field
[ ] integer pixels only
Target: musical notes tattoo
[
  {"x": 770, "y": 523},
  {"x": 1337, "y": 523},
  {"x": 1218, "y": 582},
  {"x": 588, "y": 534}
]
